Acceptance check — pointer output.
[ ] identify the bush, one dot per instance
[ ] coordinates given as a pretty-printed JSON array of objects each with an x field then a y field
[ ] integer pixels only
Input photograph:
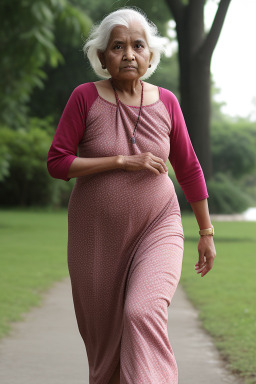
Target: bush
[
  {"x": 226, "y": 197},
  {"x": 248, "y": 184},
  {"x": 184, "y": 205},
  {"x": 4, "y": 161},
  {"x": 60, "y": 192},
  {"x": 24, "y": 178},
  {"x": 233, "y": 147}
]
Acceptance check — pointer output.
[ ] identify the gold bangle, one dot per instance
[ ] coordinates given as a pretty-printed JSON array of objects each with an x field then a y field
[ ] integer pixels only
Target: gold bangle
[{"x": 207, "y": 231}]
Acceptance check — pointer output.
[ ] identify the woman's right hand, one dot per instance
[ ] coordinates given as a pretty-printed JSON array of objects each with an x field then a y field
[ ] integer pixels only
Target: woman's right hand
[{"x": 143, "y": 161}]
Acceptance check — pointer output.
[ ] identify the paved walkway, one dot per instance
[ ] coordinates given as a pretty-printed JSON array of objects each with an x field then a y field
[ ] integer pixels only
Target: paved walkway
[
  {"x": 248, "y": 215},
  {"x": 46, "y": 347}
]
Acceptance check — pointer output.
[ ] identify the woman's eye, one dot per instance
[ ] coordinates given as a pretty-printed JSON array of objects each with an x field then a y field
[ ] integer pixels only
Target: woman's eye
[
  {"x": 139, "y": 45},
  {"x": 117, "y": 47}
]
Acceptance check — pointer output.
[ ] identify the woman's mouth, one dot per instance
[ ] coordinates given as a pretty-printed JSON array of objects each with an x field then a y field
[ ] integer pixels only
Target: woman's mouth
[{"x": 129, "y": 67}]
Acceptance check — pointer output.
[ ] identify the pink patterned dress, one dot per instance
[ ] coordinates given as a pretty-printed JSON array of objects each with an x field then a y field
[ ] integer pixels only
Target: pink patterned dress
[{"x": 125, "y": 236}]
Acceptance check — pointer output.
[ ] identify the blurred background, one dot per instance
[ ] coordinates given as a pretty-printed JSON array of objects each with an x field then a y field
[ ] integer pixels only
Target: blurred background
[
  {"x": 210, "y": 66},
  {"x": 42, "y": 62}
]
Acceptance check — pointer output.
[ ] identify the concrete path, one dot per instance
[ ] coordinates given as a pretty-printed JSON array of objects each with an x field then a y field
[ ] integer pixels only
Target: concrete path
[{"x": 46, "y": 348}]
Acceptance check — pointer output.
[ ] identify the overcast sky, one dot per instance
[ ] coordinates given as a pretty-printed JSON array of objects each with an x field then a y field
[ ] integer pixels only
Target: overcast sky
[{"x": 234, "y": 59}]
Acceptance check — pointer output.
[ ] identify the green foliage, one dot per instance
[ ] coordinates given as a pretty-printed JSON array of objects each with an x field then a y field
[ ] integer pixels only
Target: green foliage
[
  {"x": 71, "y": 27},
  {"x": 216, "y": 113},
  {"x": 226, "y": 196},
  {"x": 233, "y": 147},
  {"x": 26, "y": 181},
  {"x": 158, "y": 12},
  {"x": 184, "y": 205},
  {"x": 167, "y": 74},
  {"x": 24, "y": 178},
  {"x": 27, "y": 43},
  {"x": 233, "y": 186},
  {"x": 4, "y": 161},
  {"x": 60, "y": 192},
  {"x": 248, "y": 185}
]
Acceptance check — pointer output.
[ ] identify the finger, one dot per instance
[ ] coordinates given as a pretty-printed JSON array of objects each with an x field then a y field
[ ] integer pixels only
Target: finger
[
  {"x": 210, "y": 261},
  {"x": 198, "y": 268},
  {"x": 201, "y": 258},
  {"x": 205, "y": 271},
  {"x": 161, "y": 162},
  {"x": 153, "y": 169},
  {"x": 201, "y": 269},
  {"x": 200, "y": 265},
  {"x": 159, "y": 166},
  {"x": 208, "y": 267}
]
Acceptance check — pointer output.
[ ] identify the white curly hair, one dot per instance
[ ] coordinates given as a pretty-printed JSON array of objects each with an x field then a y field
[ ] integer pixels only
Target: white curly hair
[{"x": 100, "y": 34}]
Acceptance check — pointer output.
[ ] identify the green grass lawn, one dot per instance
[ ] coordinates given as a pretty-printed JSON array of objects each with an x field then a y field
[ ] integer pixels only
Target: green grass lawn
[
  {"x": 33, "y": 256},
  {"x": 226, "y": 296}
]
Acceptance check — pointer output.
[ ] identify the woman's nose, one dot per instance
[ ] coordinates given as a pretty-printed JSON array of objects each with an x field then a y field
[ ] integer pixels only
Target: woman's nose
[{"x": 129, "y": 54}]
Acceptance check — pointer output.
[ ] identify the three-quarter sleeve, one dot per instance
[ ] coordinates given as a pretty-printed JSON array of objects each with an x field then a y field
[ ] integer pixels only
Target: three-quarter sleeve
[
  {"x": 70, "y": 131},
  {"x": 182, "y": 156}
]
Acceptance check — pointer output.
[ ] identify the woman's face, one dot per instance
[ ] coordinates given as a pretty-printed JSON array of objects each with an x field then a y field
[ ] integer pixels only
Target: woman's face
[{"x": 127, "y": 55}]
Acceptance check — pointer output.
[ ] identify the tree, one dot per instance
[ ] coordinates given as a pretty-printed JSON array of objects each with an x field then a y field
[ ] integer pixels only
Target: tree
[
  {"x": 75, "y": 68},
  {"x": 71, "y": 27},
  {"x": 27, "y": 43},
  {"x": 195, "y": 52}
]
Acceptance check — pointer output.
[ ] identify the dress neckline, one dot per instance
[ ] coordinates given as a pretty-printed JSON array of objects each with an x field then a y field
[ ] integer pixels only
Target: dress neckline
[{"x": 126, "y": 105}]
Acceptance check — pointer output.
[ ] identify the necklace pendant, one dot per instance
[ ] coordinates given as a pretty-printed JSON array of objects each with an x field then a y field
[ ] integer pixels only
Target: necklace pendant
[{"x": 132, "y": 139}]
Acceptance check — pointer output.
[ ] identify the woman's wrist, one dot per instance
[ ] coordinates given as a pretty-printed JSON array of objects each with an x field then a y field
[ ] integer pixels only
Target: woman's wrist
[
  {"x": 201, "y": 211},
  {"x": 120, "y": 161},
  {"x": 207, "y": 231}
]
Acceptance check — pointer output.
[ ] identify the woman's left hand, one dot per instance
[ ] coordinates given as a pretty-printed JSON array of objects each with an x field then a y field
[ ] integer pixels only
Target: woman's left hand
[{"x": 207, "y": 253}]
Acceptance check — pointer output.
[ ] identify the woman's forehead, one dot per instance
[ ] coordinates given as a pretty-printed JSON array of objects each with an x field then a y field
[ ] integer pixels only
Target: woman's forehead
[{"x": 122, "y": 33}]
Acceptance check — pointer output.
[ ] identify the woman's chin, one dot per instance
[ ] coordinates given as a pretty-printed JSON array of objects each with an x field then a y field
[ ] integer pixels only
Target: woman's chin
[{"x": 128, "y": 74}]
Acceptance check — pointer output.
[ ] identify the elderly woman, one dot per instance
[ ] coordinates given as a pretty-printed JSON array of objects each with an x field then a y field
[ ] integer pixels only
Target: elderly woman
[{"x": 125, "y": 236}]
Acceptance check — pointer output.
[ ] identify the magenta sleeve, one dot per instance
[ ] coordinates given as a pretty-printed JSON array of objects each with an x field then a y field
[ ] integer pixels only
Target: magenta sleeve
[
  {"x": 70, "y": 131},
  {"x": 182, "y": 156}
]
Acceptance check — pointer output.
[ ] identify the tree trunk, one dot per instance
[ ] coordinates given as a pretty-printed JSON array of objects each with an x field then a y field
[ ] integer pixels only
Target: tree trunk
[
  {"x": 195, "y": 52},
  {"x": 195, "y": 104}
]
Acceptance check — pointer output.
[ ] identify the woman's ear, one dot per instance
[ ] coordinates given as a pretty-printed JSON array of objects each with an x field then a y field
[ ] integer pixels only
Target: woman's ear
[{"x": 102, "y": 59}]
